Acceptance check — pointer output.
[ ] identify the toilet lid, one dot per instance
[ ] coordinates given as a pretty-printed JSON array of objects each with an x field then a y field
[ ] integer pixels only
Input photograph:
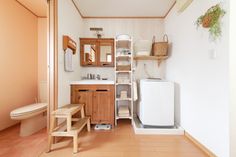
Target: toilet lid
[{"x": 29, "y": 109}]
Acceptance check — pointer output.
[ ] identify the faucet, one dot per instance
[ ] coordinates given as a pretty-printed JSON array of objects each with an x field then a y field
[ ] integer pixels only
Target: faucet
[
  {"x": 98, "y": 77},
  {"x": 92, "y": 76}
]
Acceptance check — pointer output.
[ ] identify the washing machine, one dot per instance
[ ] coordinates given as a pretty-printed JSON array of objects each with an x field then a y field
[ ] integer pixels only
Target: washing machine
[{"x": 156, "y": 104}]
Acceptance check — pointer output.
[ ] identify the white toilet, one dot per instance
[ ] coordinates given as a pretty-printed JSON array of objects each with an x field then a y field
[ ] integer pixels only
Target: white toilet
[{"x": 33, "y": 117}]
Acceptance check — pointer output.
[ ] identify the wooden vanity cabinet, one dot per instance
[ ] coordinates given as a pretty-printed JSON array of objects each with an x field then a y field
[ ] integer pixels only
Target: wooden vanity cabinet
[
  {"x": 98, "y": 100},
  {"x": 102, "y": 108},
  {"x": 82, "y": 96},
  {"x": 97, "y": 52}
]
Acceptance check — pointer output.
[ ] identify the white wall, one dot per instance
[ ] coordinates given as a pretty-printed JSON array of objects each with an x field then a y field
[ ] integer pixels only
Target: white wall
[
  {"x": 232, "y": 79},
  {"x": 203, "y": 88},
  {"x": 69, "y": 23},
  {"x": 138, "y": 29}
]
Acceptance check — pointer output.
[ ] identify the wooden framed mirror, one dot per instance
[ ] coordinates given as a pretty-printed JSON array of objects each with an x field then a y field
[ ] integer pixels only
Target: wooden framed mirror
[
  {"x": 97, "y": 52},
  {"x": 88, "y": 52},
  {"x": 106, "y": 52}
]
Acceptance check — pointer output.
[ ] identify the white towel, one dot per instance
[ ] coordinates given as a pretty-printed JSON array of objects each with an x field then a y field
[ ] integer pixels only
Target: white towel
[
  {"x": 69, "y": 60},
  {"x": 135, "y": 91}
]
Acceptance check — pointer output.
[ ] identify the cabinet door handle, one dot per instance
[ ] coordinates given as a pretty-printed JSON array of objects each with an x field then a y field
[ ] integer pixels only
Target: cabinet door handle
[
  {"x": 102, "y": 90},
  {"x": 79, "y": 97},
  {"x": 83, "y": 90}
]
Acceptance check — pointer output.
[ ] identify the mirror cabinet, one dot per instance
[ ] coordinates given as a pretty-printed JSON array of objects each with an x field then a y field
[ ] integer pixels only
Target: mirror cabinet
[{"x": 97, "y": 52}]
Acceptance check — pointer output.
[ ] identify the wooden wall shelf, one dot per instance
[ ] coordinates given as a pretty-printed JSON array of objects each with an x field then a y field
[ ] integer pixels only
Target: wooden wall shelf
[
  {"x": 159, "y": 59},
  {"x": 150, "y": 57},
  {"x": 69, "y": 43}
]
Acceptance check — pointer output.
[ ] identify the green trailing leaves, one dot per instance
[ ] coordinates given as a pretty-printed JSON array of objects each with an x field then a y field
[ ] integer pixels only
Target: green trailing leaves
[{"x": 211, "y": 20}]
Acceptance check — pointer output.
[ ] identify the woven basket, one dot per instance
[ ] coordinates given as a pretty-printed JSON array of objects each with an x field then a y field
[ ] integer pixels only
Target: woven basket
[
  {"x": 160, "y": 48},
  {"x": 206, "y": 21},
  {"x": 123, "y": 67}
]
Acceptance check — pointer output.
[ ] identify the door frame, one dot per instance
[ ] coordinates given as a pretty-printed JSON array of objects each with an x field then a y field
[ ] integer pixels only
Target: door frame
[{"x": 52, "y": 58}]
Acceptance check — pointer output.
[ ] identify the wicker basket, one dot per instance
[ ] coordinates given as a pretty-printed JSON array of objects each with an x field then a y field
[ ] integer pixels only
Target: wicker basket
[
  {"x": 160, "y": 48},
  {"x": 206, "y": 21},
  {"x": 123, "y": 67}
]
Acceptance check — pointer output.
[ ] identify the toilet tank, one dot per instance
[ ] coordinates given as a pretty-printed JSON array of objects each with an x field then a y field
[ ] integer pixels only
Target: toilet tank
[{"x": 42, "y": 92}]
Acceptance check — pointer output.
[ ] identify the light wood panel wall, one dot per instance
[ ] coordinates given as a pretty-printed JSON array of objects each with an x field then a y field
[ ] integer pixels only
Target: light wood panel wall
[{"x": 18, "y": 59}]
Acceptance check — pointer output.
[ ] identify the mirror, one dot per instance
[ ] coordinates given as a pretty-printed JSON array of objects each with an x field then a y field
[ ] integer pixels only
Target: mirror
[
  {"x": 106, "y": 53},
  {"x": 97, "y": 52},
  {"x": 89, "y": 53}
]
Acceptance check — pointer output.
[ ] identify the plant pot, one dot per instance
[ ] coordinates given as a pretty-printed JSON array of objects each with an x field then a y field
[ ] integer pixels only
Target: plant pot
[
  {"x": 211, "y": 18},
  {"x": 206, "y": 21}
]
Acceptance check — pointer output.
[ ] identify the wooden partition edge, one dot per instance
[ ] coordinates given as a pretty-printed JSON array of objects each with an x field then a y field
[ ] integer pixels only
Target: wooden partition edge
[
  {"x": 52, "y": 61},
  {"x": 52, "y": 57},
  {"x": 56, "y": 56},
  {"x": 48, "y": 65},
  {"x": 199, "y": 145}
]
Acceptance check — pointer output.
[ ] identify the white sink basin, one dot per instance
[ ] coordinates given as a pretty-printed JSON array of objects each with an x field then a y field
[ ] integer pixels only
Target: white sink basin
[{"x": 92, "y": 82}]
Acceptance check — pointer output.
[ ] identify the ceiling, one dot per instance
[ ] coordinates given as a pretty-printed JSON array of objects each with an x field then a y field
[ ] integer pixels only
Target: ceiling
[
  {"x": 124, "y": 8},
  {"x": 37, "y": 7}
]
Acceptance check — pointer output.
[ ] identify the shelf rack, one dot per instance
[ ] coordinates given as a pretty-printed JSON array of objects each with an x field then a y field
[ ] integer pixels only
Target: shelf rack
[{"x": 123, "y": 68}]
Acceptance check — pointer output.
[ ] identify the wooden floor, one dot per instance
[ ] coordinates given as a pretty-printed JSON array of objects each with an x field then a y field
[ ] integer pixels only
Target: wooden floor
[
  {"x": 122, "y": 142},
  {"x": 12, "y": 145}
]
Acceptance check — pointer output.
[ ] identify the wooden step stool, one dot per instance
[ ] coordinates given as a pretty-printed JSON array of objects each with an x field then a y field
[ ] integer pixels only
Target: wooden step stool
[{"x": 71, "y": 126}]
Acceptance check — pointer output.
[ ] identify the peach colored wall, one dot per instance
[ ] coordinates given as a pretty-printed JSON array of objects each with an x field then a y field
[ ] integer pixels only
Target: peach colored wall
[
  {"x": 18, "y": 59},
  {"x": 42, "y": 49}
]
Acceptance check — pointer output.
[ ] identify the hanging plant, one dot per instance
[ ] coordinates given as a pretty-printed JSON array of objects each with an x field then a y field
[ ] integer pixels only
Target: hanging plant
[{"x": 211, "y": 20}]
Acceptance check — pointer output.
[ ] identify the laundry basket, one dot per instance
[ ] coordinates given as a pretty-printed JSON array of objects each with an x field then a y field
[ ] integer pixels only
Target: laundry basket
[{"x": 160, "y": 48}]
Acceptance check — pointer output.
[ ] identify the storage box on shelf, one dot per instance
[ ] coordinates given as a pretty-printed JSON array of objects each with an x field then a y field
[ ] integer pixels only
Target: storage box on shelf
[{"x": 123, "y": 67}]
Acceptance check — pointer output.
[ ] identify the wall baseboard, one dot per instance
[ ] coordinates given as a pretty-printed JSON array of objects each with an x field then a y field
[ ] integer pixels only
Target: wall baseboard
[{"x": 199, "y": 145}]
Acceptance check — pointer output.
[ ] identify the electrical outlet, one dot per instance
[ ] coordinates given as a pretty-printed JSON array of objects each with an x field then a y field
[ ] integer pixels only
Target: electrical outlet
[{"x": 212, "y": 54}]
